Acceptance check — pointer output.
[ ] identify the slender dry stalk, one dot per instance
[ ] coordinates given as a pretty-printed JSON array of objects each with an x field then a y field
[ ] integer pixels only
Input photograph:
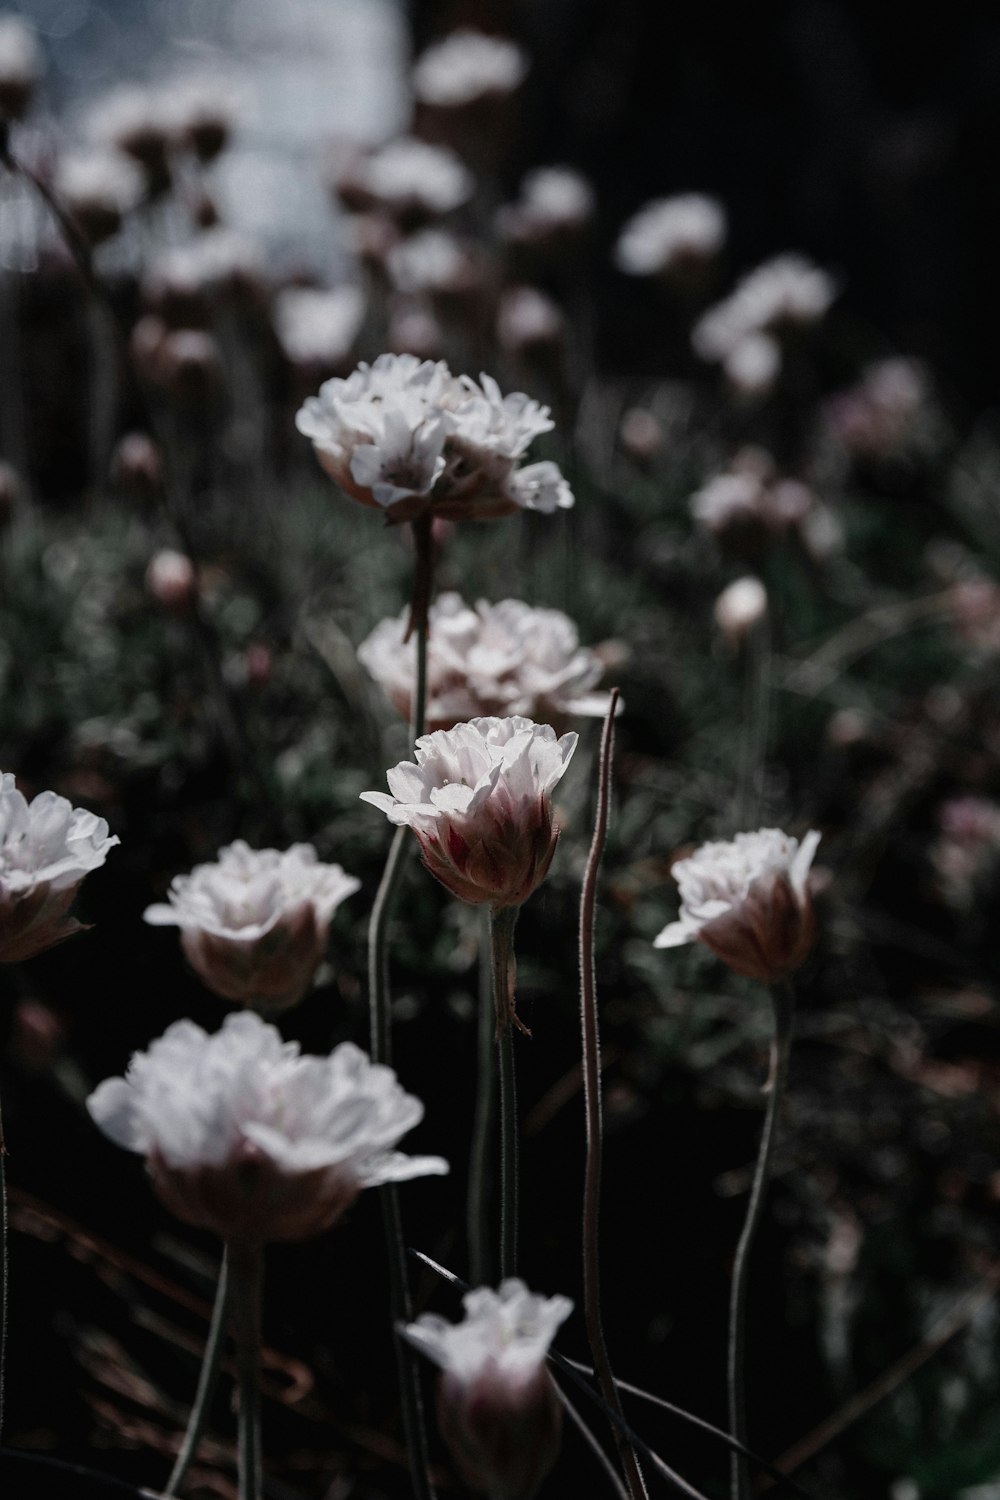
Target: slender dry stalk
[
  {"x": 592, "y": 1106},
  {"x": 207, "y": 1381}
]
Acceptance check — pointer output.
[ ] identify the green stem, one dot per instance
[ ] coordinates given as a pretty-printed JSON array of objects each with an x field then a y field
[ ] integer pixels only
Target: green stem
[
  {"x": 477, "y": 1213},
  {"x": 502, "y": 922},
  {"x": 246, "y": 1266},
  {"x": 207, "y": 1381},
  {"x": 783, "y": 1003}
]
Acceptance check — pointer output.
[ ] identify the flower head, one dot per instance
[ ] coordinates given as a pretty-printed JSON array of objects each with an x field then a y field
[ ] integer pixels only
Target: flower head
[
  {"x": 20, "y": 66},
  {"x": 318, "y": 327},
  {"x": 497, "y": 1407},
  {"x": 246, "y": 1137},
  {"x": 671, "y": 233},
  {"x": 47, "y": 846},
  {"x": 748, "y": 901},
  {"x": 254, "y": 924},
  {"x": 555, "y": 203},
  {"x": 466, "y": 67},
  {"x": 786, "y": 292},
  {"x": 505, "y": 658},
  {"x": 407, "y": 178},
  {"x": 479, "y": 799}
]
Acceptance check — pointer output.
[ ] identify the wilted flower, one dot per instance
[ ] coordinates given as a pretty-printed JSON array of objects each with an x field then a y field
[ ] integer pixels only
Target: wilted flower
[
  {"x": 409, "y": 437},
  {"x": 740, "y": 608},
  {"x": 748, "y": 901},
  {"x": 98, "y": 188},
  {"x": 407, "y": 178},
  {"x": 317, "y": 328},
  {"x": 497, "y": 1407},
  {"x": 479, "y": 800},
  {"x": 20, "y": 67},
  {"x": 47, "y": 846},
  {"x": 467, "y": 67},
  {"x": 786, "y": 292},
  {"x": 671, "y": 234},
  {"x": 501, "y": 659},
  {"x": 245, "y": 1137},
  {"x": 254, "y": 924}
]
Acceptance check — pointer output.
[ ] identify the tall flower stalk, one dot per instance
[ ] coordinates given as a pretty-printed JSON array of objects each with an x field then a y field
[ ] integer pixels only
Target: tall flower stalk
[
  {"x": 247, "y": 1270},
  {"x": 502, "y": 923},
  {"x": 208, "y": 1379},
  {"x": 478, "y": 1198},
  {"x": 592, "y": 1106}
]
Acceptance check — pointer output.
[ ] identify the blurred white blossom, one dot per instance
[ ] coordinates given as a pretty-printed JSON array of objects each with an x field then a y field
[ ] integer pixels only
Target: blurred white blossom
[
  {"x": 466, "y": 67},
  {"x": 689, "y": 228},
  {"x": 316, "y": 326},
  {"x": 553, "y": 203},
  {"x": 788, "y": 291},
  {"x": 20, "y": 66}
]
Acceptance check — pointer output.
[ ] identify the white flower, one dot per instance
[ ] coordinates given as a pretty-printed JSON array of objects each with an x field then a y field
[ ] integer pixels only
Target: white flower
[
  {"x": 748, "y": 901},
  {"x": 317, "y": 326},
  {"x": 486, "y": 421},
  {"x": 408, "y": 175},
  {"x": 501, "y": 659},
  {"x": 740, "y": 608},
  {"x": 254, "y": 924},
  {"x": 479, "y": 799},
  {"x": 248, "y": 1138},
  {"x": 788, "y": 290},
  {"x": 467, "y": 66},
  {"x": 753, "y": 365},
  {"x": 429, "y": 261},
  {"x": 212, "y": 260},
  {"x": 555, "y": 200},
  {"x": 20, "y": 66},
  {"x": 689, "y": 227},
  {"x": 47, "y": 846},
  {"x": 497, "y": 1407},
  {"x": 540, "y": 487},
  {"x": 528, "y": 319},
  {"x": 98, "y": 188}
]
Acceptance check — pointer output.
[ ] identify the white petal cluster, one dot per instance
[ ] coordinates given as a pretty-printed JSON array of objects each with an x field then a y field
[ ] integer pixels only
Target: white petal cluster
[
  {"x": 210, "y": 260},
  {"x": 47, "y": 841},
  {"x": 429, "y": 261},
  {"x": 557, "y": 197},
  {"x": 129, "y": 115},
  {"x": 786, "y": 291},
  {"x": 407, "y": 173},
  {"x": 467, "y": 66},
  {"x": 402, "y": 428},
  {"x": 508, "y": 1331},
  {"x": 458, "y": 771},
  {"x": 717, "y": 877},
  {"x": 316, "y": 326},
  {"x": 247, "y": 892},
  {"x": 495, "y": 659},
  {"x": 20, "y": 59},
  {"x": 199, "y": 1100},
  {"x": 688, "y": 227},
  {"x": 100, "y": 179}
]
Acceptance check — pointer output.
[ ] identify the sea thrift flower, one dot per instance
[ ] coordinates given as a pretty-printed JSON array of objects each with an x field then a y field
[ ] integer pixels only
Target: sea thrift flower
[
  {"x": 740, "y": 608},
  {"x": 748, "y": 901},
  {"x": 555, "y": 204},
  {"x": 245, "y": 1137},
  {"x": 47, "y": 846},
  {"x": 670, "y": 235},
  {"x": 20, "y": 67},
  {"x": 316, "y": 328},
  {"x": 467, "y": 67},
  {"x": 505, "y": 658},
  {"x": 408, "y": 179},
  {"x": 786, "y": 292},
  {"x": 172, "y": 580},
  {"x": 254, "y": 924},
  {"x": 497, "y": 1407},
  {"x": 884, "y": 412},
  {"x": 479, "y": 799},
  {"x": 98, "y": 188},
  {"x": 407, "y": 436}
]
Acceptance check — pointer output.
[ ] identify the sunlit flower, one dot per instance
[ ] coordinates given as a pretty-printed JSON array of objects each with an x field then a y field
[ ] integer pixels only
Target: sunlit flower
[
  {"x": 254, "y": 924},
  {"x": 495, "y": 659},
  {"x": 20, "y": 66},
  {"x": 670, "y": 233},
  {"x": 748, "y": 901},
  {"x": 479, "y": 799},
  {"x": 318, "y": 327},
  {"x": 408, "y": 436},
  {"x": 497, "y": 1408},
  {"x": 245, "y": 1137},
  {"x": 466, "y": 67},
  {"x": 786, "y": 292},
  {"x": 47, "y": 846}
]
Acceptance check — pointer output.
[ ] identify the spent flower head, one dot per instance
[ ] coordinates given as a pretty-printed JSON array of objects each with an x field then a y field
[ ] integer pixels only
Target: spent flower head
[
  {"x": 254, "y": 923},
  {"x": 47, "y": 846},
  {"x": 748, "y": 901},
  {"x": 244, "y": 1136}
]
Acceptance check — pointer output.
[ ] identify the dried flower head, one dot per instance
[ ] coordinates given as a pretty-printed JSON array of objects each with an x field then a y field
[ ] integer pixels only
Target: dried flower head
[
  {"x": 467, "y": 67},
  {"x": 671, "y": 234},
  {"x": 245, "y": 1137},
  {"x": 479, "y": 799},
  {"x": 497, "y": 1407},
  {"x": 748, "y": 901},
  {"x": 495, "y": 659},
  {"x": 47, "y": 846},
  {"x": 407, "y": 436},
  {"x": 254, "y": 924}
]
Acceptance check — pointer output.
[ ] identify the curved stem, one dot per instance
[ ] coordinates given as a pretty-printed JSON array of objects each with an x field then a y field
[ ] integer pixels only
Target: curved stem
[
  {"x": 477, "y": 1211},
  {"x": 739, "y": 1477},
  {"x": 246, "y": 1265},
  {"x": 207, "y": 1381},
  {"x": 592, "y": 1105},
  {"x": 502, "y": 922}
]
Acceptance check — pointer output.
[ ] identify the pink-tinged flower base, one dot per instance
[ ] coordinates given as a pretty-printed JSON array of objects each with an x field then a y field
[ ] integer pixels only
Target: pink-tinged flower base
[{"x": 503, "y": 1436}]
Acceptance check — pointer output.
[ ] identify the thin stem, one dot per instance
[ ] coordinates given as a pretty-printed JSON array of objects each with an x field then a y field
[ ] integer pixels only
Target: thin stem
[
  {"x": 592, "y": 1107},
  {"x": 246, "y": 1265},
  {"x": 783, "y": 1003},
  {"x": 502, "y": 922},
  {"x": 477, "y": 1211},
  {"x": 3, "y": 1269},
  {"x": 207, "y": 1381}
]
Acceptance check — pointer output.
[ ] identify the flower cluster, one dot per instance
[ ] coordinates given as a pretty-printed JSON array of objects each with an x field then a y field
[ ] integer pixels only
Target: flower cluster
[
  {"x": 747, "y": 900},
  {"x": 554, "y": 205},
  {"x": 467, "y": 67},
  {"x": 743, "y": 332},
  {"x": 479, "y": 799},
  {"x": 20, "y": 67},
  {"x": 254, "y": 924},
  {"x": 247, "y": 1138},
  {"x": 751, "y": 502},
  {"x": 406, "y": 178},
  {"x": 670, "y": 235},
  {"x": 497, "y": 1407},
  {"x": 409, "y": 437},
  {"x": 47, "y": 846},
  {"x": 495, "y": 659},
  {"x": 316, "y": 327}
]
